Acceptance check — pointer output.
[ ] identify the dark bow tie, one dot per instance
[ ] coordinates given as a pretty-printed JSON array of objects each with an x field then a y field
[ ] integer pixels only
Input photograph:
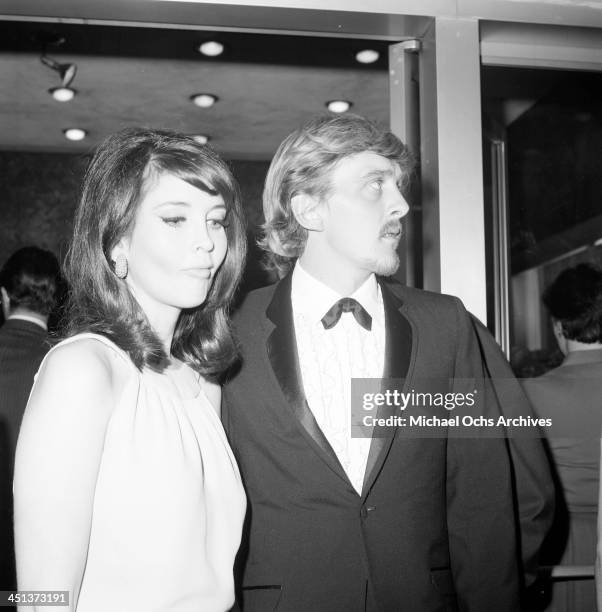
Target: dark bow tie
[{"x": 331, "y": 318}]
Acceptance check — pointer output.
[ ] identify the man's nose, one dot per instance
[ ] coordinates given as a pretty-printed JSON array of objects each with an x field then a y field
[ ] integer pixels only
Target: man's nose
[{"x": 398, "y": 207}]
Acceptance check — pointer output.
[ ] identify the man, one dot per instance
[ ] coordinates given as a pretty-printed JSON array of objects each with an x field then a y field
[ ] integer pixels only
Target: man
[
  {"x": 338, "y": 523},
  {"x": 28, "y": 290},
  {"x": 569, "y": 396}
]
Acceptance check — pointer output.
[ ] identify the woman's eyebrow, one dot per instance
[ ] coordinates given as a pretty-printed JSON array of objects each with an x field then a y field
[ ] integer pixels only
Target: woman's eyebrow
[
  {"x": 172, "y": 203},
  {"x": 219, "y": 207}
]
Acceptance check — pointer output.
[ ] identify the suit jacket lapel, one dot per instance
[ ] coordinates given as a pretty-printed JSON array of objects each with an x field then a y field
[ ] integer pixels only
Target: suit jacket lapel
[
  {"x": 282, "y": 353},
  {"x": 398, "y": 350}
]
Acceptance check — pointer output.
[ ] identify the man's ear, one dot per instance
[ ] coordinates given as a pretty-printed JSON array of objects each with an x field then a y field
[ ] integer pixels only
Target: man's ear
[
  {"x": 557, "y": 327},
  {"x": 561, "y": 339},
  {"x": 307, "y": 211},
  {"x": 5, "y": 302}
]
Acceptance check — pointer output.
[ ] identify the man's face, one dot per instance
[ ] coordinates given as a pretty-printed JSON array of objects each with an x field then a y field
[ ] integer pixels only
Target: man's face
[{"x": 362, "y": 214}]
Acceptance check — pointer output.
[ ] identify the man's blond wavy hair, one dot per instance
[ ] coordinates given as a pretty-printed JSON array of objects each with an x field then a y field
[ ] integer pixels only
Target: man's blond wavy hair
[{"x": 303, "y": 164}]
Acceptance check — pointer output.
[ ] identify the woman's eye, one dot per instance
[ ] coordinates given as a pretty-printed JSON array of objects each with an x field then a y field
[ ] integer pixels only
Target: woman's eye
[
  {"x": 376, "y": 185},
  {"x": 216, "y": 223},
  {"x": 173, "y": 221}
]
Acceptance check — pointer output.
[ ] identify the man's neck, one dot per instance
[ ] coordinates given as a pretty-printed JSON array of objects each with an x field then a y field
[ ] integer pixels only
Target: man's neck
[{"x": 336, "y": 275}]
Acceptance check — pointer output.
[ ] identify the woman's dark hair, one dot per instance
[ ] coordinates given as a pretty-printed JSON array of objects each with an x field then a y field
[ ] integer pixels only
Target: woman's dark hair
[
  {"x": 101, "y": 303},
  {"x": 575, "y": 299}
]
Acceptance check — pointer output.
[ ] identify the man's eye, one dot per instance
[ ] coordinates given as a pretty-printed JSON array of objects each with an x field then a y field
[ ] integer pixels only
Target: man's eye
[{"x": 173, "y": 221}]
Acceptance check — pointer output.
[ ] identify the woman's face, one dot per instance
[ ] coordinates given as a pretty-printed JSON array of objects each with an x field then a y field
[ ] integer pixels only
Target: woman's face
[{"x": 176, "y": 247}]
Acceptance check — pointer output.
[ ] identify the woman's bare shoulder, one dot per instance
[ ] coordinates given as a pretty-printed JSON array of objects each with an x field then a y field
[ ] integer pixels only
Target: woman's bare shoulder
[
  {"x": 82, "y": 369},
  {"x": 65, "y": 422}
]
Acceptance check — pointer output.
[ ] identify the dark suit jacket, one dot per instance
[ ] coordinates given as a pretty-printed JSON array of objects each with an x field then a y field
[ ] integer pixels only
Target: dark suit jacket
[
  {"x": 434, "y": 528},
  {"x": 570, "y": 396},
  {"x": 22, "y": 348}
]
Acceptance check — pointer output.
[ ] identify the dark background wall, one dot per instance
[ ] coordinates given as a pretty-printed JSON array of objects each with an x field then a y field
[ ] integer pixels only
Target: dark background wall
[
  {"x": 554, "y": 172},
  {"x": 39, "y": 193}
]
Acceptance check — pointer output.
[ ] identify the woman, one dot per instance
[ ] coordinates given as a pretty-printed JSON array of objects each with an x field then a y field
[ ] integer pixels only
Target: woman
[{"x": 126, "y": 492}]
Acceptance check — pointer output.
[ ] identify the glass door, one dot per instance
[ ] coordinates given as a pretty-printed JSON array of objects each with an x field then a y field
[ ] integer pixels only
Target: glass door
[{"x": 542, "y": 130}]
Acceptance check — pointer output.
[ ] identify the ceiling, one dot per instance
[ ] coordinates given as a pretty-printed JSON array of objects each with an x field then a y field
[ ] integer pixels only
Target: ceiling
[{"x": 266, "y": 85}]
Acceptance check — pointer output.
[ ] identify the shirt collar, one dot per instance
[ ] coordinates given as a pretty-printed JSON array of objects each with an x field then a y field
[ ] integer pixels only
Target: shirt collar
[
  {"x": 23, "y": 317},
  {"x": 581, "y": 357},
  {"x": 313, "y": 298}
]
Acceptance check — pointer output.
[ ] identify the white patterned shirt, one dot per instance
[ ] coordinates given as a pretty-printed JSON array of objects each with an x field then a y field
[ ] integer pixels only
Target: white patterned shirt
[{"x": 330, "y": 358}]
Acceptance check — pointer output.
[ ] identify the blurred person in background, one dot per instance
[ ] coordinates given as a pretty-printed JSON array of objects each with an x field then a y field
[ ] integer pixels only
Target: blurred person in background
[
  {"x": 29, "y": 287},
  {"x": 571, "y": 396}
]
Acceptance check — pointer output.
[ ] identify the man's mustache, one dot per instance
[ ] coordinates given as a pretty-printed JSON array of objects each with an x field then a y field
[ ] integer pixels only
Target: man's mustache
[{"x": 392, "y": 227}]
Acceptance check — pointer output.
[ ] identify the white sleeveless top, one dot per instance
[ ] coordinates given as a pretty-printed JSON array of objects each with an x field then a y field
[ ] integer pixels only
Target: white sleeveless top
[{"x": 169, "y": 502}]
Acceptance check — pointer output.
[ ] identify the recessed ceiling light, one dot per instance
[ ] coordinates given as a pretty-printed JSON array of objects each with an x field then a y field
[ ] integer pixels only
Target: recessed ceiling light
[
  {"x": 367, "y": 56},
  {"x": 75, "y": 133},
  {"x": 201, "y": 138},
  {"x": 211, "y": 48},
  {"x": 338, "y": 106},
  {"x": 62, "y": 94},
  {"x": 204, "y": 100}
]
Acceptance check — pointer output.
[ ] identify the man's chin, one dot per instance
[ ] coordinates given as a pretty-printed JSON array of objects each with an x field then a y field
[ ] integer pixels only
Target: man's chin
[{"x": 386, "y": 266}]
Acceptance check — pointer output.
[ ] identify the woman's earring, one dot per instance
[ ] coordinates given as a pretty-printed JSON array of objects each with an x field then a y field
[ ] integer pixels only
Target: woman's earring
[{"x": 121, "y": 266}]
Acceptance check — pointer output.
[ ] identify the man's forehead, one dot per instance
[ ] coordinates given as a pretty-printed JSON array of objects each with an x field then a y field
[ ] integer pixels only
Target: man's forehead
[{"x": 368, "y": 163}]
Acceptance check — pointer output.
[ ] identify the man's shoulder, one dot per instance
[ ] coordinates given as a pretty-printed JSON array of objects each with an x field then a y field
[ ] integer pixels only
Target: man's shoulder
[
  {"x": 23, "y": 336},
  {"x": 423, "y": 299},
  {"x": 252, "y": 308},
  {"x": 21, "y": 327},
  {"x": 573, "y": 378},
  {"x": 257, "y": 299}
]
